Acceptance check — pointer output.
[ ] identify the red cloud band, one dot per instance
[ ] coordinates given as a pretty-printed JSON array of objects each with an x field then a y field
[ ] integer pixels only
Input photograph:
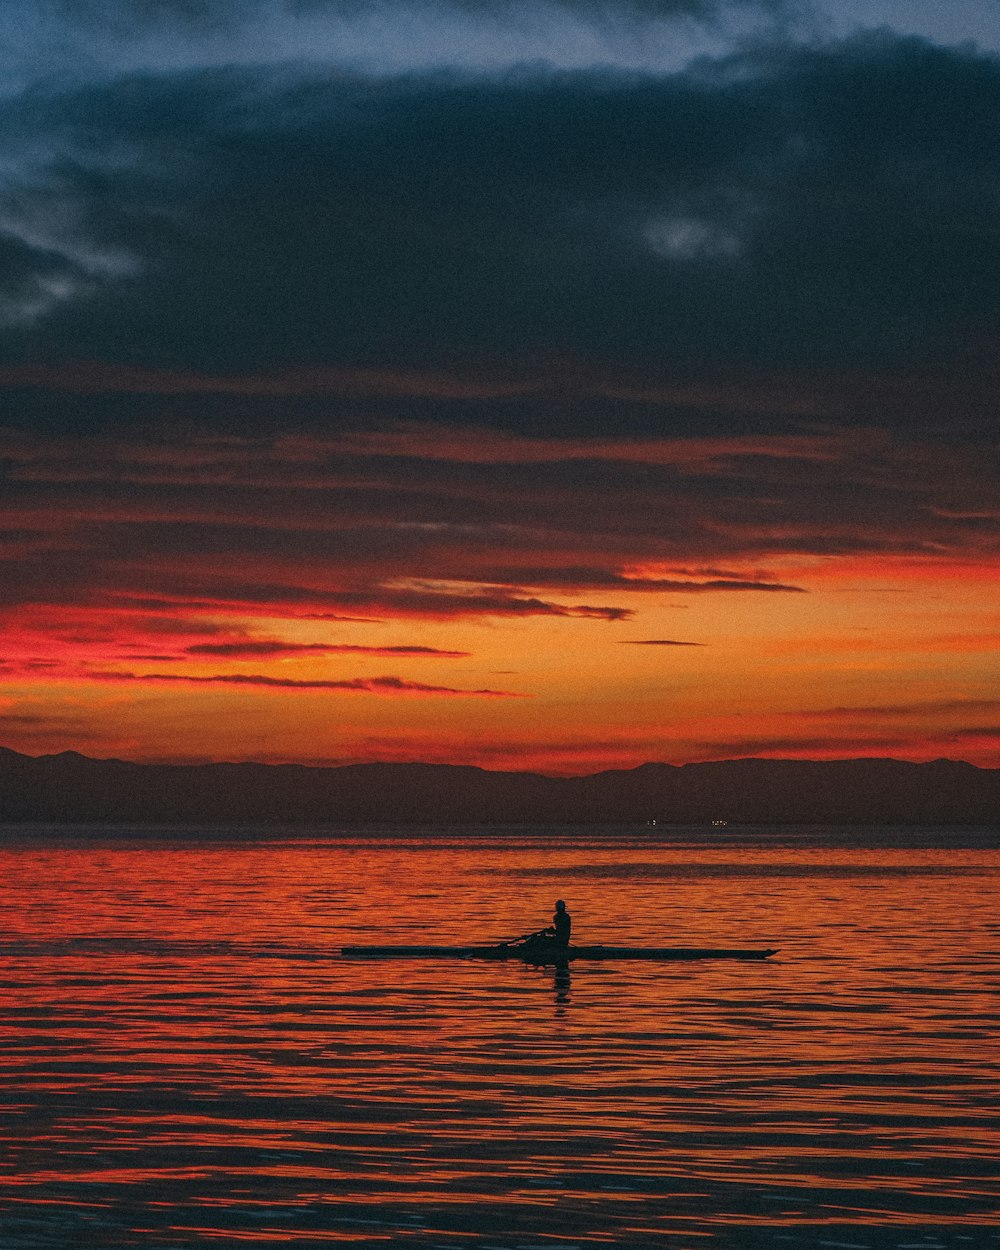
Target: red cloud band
[{"x": 369, "y": 685}]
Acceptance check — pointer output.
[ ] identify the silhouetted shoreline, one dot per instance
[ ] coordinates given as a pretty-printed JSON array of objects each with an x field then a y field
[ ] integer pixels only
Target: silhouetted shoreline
[{"x": 71, "y": 788}]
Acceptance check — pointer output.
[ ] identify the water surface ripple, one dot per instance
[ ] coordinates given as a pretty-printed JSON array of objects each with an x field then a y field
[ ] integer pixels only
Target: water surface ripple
[{"x": 187, "y": 1062}]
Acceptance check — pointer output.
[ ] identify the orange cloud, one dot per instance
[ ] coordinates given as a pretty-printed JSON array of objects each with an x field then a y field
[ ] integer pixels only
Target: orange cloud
[
  {"x": 367, "y": 685},
  {"x": 253, "y": 650},
  {"x": 839, "y": 569}
]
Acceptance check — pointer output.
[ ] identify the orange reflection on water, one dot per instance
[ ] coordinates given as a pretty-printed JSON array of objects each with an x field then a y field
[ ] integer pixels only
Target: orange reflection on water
[{"x": 187, "y": 1056}]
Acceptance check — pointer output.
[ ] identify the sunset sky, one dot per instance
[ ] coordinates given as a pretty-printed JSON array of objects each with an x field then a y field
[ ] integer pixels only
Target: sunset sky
[{"x": 554, "y": 385}]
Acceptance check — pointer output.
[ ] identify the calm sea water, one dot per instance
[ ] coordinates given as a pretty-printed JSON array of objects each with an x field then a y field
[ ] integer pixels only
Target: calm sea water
[{"x": 187, "y": 1061}]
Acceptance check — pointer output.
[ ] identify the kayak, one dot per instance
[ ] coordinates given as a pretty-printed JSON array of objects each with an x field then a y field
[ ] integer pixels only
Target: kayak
[{"x": 548, "y": 953}]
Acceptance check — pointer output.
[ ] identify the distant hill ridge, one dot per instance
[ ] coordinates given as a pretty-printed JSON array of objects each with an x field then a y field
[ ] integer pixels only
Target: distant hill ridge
[{"x": 73, "y": 788}]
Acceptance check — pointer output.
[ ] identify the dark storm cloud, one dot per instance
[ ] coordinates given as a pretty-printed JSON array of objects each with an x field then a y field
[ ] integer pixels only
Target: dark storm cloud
[
  {"x": 288, "y": 24},
  {"x": 98, "y": 40},
  {"x": 230, "y": 13},
  {"x": 798, "y": 206}
]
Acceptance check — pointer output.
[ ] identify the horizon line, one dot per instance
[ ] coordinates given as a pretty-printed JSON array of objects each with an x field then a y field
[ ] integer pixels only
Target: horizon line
[{"x": 333, "y": 766}]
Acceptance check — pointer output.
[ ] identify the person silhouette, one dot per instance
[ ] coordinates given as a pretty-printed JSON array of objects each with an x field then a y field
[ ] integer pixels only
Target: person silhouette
[
  {"x": 551, "y": 944},
  {"x": 561, "y": 924}
]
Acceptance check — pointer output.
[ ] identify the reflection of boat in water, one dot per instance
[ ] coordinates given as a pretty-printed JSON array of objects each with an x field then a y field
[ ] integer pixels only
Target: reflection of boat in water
[{"x": 550, "y": 953}]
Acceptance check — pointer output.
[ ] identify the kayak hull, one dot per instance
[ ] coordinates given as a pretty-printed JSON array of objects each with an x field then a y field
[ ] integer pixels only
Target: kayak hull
[{"x": 546, "y": 954}]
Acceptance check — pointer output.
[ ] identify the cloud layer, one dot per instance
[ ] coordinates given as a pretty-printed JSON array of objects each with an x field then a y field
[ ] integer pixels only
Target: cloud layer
[
  {"x": 307, "y": 526},
  {"x": 483, "y": 338},
  {"x": 794, "y": 205}
]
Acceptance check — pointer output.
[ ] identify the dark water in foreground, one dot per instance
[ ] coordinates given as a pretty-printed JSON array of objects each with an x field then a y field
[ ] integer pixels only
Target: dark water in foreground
[{"x": 187, "y": 1063}]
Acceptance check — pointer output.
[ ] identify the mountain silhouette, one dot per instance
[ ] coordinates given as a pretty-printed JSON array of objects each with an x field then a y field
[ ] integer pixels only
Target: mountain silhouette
[{"x": 73, "y": 788}]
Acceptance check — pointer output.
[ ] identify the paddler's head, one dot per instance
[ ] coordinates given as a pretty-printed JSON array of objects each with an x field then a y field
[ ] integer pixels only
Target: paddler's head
[{"x": 560, "y": 905}]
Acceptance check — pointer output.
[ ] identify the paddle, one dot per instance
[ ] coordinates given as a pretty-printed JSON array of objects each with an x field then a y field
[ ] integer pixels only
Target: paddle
[{"x": 523, "y": 937}]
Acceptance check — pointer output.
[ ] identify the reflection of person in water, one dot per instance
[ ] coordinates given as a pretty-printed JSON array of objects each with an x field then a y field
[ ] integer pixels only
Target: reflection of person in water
[{"x": 560, "y": 982}]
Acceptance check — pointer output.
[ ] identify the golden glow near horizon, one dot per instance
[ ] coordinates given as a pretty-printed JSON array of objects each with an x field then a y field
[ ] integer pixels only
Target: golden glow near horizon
[{"x": 880, "y": 656}]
